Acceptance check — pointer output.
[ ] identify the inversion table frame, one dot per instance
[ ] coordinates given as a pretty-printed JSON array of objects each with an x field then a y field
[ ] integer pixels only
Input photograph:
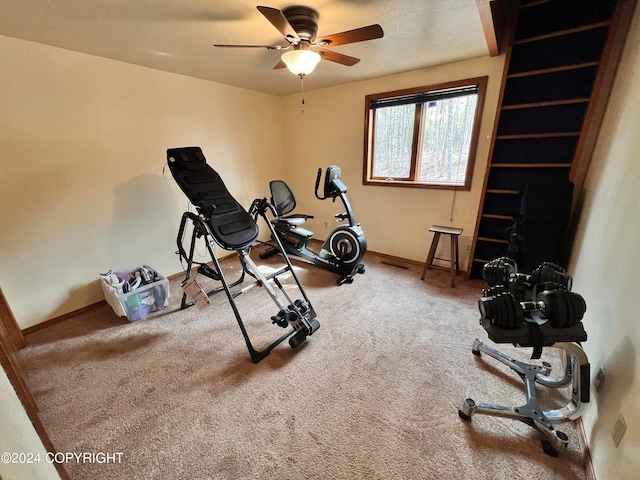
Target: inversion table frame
[
  {"x": 222, "y": 221},
  {"x": 576, "y": 376}
]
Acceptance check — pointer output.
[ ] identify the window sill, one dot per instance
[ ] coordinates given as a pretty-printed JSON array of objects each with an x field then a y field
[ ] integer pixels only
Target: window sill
[{"x": 411, "y": 184}]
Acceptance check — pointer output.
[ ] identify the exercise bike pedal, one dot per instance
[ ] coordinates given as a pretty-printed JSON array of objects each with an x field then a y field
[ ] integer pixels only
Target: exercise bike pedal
[{"x": 269, "y": 252}]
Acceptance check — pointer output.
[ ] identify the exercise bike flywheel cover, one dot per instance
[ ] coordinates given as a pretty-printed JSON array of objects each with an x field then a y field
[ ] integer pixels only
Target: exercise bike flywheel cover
[{"x": 344, "y": 246}]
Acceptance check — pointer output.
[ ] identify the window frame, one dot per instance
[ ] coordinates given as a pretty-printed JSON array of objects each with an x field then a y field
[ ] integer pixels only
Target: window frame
[{"x": 369, "y": 124}]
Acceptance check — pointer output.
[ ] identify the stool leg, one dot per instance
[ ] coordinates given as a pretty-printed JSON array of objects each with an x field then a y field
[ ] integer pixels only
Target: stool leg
[
  {"x": 457, "y": 257},
  {"x": 453, "y": 260},
  {"x": 432, "y": 254}
]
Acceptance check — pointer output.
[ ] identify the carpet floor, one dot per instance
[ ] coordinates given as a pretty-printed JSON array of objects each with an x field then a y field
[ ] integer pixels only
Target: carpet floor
[{"x": 373, "y": 394}]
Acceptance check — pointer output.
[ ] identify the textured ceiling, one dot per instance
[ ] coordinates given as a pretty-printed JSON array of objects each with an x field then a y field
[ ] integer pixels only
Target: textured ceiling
[{"x": 178, "y": 36}]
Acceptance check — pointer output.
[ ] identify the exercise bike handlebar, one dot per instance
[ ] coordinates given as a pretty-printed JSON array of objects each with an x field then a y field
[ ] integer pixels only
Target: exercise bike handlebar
[
  {"x": 334, "y": 187},
  {"x": 318, "y": 184}
]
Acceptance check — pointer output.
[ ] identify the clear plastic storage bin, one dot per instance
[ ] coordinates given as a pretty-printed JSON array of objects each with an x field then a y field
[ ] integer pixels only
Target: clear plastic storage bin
[{"x": 140, "y": 302}]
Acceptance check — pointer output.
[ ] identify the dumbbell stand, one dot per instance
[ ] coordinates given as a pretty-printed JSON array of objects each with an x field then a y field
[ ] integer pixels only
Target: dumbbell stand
[{"x": 576, "y": 376}]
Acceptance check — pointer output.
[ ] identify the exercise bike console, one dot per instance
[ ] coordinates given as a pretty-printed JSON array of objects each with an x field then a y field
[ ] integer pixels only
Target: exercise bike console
[{"x": 342, "y": 251}]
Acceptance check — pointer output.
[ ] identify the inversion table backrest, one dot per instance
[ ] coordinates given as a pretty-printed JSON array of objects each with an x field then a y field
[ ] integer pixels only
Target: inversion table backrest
[{"x": 232, "y": 227}]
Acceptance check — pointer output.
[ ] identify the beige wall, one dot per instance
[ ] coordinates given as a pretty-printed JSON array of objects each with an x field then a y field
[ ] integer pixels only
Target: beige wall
[
  {"x": 19, "y": 436},
  {"x": 83, "y": 146},
  {"x": 331, "y": 131},
  {"x": 606, "y": 265}
]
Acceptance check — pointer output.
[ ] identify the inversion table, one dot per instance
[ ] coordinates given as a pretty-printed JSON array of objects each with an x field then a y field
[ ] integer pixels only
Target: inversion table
[{"x": 222, "y": 221}]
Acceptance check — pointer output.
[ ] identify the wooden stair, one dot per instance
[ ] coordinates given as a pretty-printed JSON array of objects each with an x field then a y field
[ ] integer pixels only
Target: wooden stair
[{"x": 557, "y": 78}]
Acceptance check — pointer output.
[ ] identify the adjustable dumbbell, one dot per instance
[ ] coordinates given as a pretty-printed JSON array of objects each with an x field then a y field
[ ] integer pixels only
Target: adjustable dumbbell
[
  {"x": 502, "y": 310},
  {"x": 504, "y": 271},
  {"x": 561, "y": 307},
  {"x": 550, "y": 272},
  {"x": 564, "y": 309},
  {"x": 499, "y": 271}
]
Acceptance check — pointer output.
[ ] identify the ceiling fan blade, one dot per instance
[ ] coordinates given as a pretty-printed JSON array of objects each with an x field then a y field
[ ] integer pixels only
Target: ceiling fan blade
[
  {"x": 280, "y": 64},
  {"x": 279, "y": 21},
  {"x": 351, "y": 36},
  {"x": 269, "y": 47},
  {"x": 337, "y": 57}
]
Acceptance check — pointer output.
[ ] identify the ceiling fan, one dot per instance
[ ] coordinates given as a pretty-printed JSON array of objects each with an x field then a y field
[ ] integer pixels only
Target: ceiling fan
[{"x": 299, "y": 26}]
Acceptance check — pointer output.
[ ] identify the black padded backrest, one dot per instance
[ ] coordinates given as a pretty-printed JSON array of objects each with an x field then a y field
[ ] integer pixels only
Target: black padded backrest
[
  {"x": 542, "y": 223},
  {"x": 231, "y": 225},
  {"x": 546, "y": 200},
  {"x": 282, "y": 197}
]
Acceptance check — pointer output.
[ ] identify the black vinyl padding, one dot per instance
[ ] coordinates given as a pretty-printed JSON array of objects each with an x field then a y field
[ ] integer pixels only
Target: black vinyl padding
[
  {"x": 232, "y": 227},
  {"x": 542, "y": 222}
]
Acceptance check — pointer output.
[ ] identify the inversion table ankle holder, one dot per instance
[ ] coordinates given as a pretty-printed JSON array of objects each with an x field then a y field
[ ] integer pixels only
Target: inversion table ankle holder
[
  {"x": 551, "y": 317},
  {"x": 222, "y": 221}
]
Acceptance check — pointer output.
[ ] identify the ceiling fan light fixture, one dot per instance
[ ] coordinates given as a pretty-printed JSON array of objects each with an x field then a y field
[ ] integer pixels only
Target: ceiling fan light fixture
[{"x": 301, "y": 62}]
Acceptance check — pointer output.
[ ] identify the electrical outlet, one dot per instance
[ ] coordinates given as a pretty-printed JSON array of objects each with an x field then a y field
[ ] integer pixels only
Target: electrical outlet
[
  {"x": 598, "y": 382},
  {"x": 464, "y": 243},
  {"x": 619, "y": 429}
]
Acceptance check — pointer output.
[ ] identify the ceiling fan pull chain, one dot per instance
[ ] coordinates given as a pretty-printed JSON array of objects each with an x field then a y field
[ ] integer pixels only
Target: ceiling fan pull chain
[{"x": 302, "y": 91}]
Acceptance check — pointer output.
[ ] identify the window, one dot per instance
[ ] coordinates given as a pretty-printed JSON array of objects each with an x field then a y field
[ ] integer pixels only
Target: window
[{"x": 424, "y": 137}]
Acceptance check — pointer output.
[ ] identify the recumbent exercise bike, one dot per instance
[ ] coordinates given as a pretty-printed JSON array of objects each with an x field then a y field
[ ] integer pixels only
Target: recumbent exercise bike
[
  {"x": 534, "y": 310},
  {"x": 343, "y": 249}
]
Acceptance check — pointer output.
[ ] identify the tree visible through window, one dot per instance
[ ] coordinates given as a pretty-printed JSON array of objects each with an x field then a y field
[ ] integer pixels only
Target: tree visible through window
[{"x": 424, "y": 136}]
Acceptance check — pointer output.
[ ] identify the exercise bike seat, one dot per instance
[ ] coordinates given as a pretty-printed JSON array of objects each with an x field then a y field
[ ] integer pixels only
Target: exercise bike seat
[
  {"x": 231, "y": 226},
  {"x": 284, "y": 202}
]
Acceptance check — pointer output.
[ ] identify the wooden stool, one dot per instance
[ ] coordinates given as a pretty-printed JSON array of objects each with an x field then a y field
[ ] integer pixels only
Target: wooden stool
[{"x": 454, "y": 233}]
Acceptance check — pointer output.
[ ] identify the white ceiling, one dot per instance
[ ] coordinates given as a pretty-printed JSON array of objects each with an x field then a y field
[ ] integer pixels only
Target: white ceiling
[{"x": 178, "y": 36}]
